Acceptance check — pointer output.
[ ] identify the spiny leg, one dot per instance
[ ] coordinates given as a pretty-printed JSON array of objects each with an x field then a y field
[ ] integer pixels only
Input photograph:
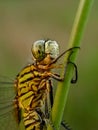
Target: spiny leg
[
  {"x": 65, "y": 125},
  {"x": 49, "y": 104},
  {"x": 59, "y": 78},
  {"x": 51, "y": 93},
  {"x": 73, "y": 80}
]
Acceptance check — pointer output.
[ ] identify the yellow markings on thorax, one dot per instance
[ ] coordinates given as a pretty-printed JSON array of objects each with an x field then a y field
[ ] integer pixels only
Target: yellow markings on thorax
[
  {"x": 28, "y": 85},
  {"x": 25, "y": 100}
]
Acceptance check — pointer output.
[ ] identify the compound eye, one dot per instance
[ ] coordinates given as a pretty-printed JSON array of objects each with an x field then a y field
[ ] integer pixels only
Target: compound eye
[
  {"x": 52, "y": 48},
  {"x": 38, "y": 50}
]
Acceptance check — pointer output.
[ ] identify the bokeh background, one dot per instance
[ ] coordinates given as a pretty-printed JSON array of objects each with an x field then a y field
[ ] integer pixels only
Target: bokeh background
[{"x": 23, "y": 22}]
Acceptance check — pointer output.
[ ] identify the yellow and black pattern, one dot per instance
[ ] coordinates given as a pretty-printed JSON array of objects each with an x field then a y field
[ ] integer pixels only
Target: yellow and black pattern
[
  {"x": 33, "y": 120},
  {"x": 33, "y": 87}
]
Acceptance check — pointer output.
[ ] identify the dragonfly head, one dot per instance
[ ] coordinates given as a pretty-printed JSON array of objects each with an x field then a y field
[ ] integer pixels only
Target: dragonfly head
[{"x": 43, "y": 50}]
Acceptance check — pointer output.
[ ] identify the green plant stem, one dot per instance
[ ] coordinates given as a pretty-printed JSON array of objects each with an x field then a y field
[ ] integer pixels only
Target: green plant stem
[{"x": 75, "y": 38}]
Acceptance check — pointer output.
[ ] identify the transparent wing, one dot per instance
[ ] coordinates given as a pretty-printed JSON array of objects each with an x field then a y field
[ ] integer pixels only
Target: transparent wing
[{"x": 7, "y": 95}]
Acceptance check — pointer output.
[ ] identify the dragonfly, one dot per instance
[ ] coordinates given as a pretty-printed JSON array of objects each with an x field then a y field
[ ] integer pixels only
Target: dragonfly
[{"x": 29, "y": 97}]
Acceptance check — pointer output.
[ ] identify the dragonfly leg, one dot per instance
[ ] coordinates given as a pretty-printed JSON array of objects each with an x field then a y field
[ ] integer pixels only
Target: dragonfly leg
[
  {"x": 59, "y": 78},
  {"x": 73, "y": 80},
  {"x": 65, "y": 125}
]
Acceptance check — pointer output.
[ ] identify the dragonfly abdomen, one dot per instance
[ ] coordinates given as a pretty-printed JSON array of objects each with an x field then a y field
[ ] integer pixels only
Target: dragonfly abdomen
[{"x": 33, "y": 120}]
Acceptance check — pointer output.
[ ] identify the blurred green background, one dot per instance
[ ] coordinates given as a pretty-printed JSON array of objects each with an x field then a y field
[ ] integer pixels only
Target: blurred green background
[{"x": 23, "y": 22}]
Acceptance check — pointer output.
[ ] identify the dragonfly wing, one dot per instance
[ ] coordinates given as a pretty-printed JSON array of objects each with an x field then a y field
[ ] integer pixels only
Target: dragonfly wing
[
  {"x": 7, "y": 114},
  {"x": 7, "y": 90},
  {"x": 8, "y": 122}
]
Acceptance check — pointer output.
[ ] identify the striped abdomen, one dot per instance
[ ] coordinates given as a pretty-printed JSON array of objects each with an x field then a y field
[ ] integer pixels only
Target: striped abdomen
[{"x": 33, "y": 120}]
